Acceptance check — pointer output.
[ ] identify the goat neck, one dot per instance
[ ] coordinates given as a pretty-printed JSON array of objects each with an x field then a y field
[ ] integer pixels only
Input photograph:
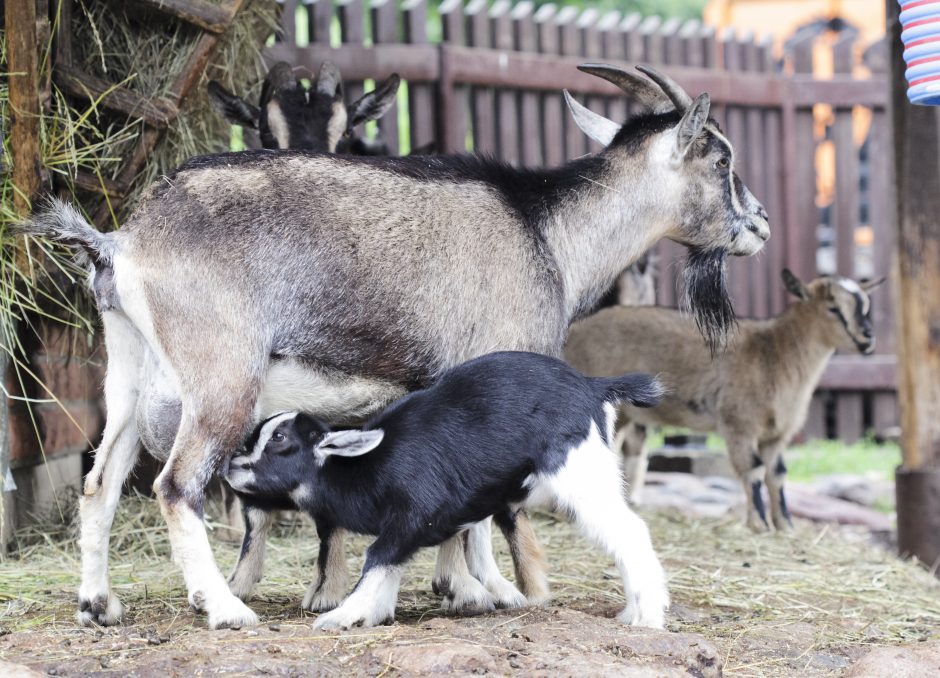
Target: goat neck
[
  {"x": 804, "y": 339},
  {"x": 604, "y": 222}
]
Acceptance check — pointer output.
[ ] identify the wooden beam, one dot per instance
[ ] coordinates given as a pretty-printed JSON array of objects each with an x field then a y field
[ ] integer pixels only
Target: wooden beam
[
  {"x": 89, "y": 182},
  {"x": 522, "y": 70},
  {"x": 24, "y": 109},
  {"x": 860, "y": 373},
  {"x": 155, "y": 112},
  {"x": 208, "y": 16},
  {"x": 917, "y": 180}
]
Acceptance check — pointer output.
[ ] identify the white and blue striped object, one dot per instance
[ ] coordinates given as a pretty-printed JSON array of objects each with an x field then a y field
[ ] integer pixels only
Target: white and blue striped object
[{"x": 920, "y": 33}]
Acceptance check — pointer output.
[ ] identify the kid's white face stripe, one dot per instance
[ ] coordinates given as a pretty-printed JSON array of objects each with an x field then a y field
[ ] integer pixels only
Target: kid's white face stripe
[
  {"x": 267, "y": 430},
  {"x": 853, "y": 287}
]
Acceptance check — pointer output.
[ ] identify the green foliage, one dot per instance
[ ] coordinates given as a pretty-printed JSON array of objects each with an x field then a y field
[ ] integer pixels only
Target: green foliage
[
  {"x": 828, "y": 457},
  {"x": 816, "y": 458},
  {"x": 683, "y": 9}
]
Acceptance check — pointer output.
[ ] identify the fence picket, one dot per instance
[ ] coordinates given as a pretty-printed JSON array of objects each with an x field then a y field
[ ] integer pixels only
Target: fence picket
[
  {"x": 592, "y": 51},
  {"x": 454, "y": 109},
  {"x": 507, "y": 109},
  {"x": 482, "y": 106},
  {"x": 845, "y": 206},
  {"x": 352, "y": 32},
  {"x": 385, "y": 31},
  {"x": 755, "y": 137},
  {"x": 553, "y": 129},
  {"x": 319, "y": 20},
  {"x": 612, "y": 50},
  {"x": 525, "y": 39},
  {"x": 880, "y": 218},
  {"x": 569, "y": 42},
  {"x": 772, "y": 197},
  {"x": 422, "y": 104}
]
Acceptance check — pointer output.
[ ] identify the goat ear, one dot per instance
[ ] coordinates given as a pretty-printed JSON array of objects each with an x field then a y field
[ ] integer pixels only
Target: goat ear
[
  {"x": 599, "y": 128},
  {"x": 793, "y": 285},
  {"x": 869, "y": 285},
  {"x": 351, "y": 443},
  {"x": 373, "y": 105},
  {"x": 234, "y": 109},
  {"x": 692, "y": 124}
]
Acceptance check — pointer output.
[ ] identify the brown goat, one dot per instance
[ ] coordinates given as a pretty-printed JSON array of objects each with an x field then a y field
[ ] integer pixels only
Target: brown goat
[{"x": 755, "y": 394}]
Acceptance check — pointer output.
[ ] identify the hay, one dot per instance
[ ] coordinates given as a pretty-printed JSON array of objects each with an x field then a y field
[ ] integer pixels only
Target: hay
[
  {"x": 145, "y": 53},
  {"x": 142, "y": 51},
  {"x": 828, "y": 588}
]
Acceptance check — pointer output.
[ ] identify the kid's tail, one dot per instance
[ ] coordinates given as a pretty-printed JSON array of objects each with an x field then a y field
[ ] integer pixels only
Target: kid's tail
[
  {"x": 641, "y": 390},
  {"x": 62, "y": 222}
]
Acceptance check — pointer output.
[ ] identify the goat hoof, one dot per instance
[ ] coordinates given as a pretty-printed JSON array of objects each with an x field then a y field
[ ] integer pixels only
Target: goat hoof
[
  {"x": 346, "y": 617},
  {"x": 241, "y": 588},
  {"x": 197, "y": 601},
  {"x": 102, "y": 610},
  {"x": 318, "y": 601},
  {"x": 505, "y": 595},
  {"x": 467, "y": 597},
  {"x": 230, "y": 613},
  {"x": 441, "y": 587}
]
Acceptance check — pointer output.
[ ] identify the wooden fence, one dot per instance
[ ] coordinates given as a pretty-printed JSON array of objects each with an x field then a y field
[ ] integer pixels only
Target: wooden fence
[{"x": 492, "y": 84}]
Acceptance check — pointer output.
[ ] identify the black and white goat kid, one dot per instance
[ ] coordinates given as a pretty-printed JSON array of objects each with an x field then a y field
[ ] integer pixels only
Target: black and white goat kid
[
  {"x": 251, "y": 283},
  {"x": 498, "y": 433}
]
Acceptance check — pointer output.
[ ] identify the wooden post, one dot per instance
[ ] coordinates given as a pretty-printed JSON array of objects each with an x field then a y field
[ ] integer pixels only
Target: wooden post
[
  {"x": 917, "y": 179},
  {"x": 23, "y": 79},
  {"x": 22, "y": 62}
]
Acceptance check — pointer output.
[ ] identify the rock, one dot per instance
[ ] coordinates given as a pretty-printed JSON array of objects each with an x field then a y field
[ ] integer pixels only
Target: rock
[
  {"x": 857, "y": 489},
  {"x": 905, "y": 661},
  {"x": 8, "y": 670},
  {"x": 710, "y": 496},
  {"x": 804, "y": 502},
  {"x": 449, "y": 657}
]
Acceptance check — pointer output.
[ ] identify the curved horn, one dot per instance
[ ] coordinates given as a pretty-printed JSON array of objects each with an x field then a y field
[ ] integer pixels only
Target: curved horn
[
  {"x": 595, "y": 126},
  {"x": 638, "y": 88},
  {"x": 328, "y": 79},
  {"x": 281, "y": 76},
  {"x": 678, "y": 96}
]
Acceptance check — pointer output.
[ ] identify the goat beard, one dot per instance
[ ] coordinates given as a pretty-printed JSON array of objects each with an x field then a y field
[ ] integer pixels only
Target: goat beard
[{"x": 707, "y": 297}]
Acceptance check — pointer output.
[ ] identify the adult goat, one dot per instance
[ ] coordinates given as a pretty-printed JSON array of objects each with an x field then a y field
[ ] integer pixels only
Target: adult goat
[{"x": 264, "y": 281}]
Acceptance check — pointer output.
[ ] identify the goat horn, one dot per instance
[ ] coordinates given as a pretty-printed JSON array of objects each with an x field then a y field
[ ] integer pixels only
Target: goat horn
[
  {"x": 636, "y": 87},
  {"x": 280, "y": 77},
  {"x": 328, "y": 80},
  {"x": 678, "y": 96},
  {"x": 595, "y": 126}
]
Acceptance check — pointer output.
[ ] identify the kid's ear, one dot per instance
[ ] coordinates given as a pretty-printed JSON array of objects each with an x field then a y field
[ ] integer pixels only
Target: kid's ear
[
  {"x": 351, "y": 443},
  {"x": 793, "y": 285},
  {"x": 869, "y": 285}
]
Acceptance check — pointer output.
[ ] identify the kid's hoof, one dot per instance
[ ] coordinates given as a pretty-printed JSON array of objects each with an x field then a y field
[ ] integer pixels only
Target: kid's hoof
[
  {"x": 230, "y": 613},
  {"x": 102, "y": 610}
]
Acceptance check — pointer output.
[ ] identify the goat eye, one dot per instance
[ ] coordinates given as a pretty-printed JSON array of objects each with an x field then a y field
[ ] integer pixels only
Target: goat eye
[
  {"x": 277, "y": 437},
  {"x": 723, "y": 163}
]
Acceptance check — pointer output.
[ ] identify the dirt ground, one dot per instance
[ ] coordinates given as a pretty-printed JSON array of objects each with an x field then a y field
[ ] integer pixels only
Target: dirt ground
[{"x": 818, "y": 601}]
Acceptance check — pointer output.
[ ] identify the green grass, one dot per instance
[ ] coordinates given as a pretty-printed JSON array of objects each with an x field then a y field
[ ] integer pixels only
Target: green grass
[
  {"x": 818, "y": 458},
  {"x": 828, "y": 457}
]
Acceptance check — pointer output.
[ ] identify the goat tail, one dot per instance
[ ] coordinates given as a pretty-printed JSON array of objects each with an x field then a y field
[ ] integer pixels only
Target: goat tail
[
  {"x": 641, "y": 390},
  {"x": 61, "y": 222}
]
